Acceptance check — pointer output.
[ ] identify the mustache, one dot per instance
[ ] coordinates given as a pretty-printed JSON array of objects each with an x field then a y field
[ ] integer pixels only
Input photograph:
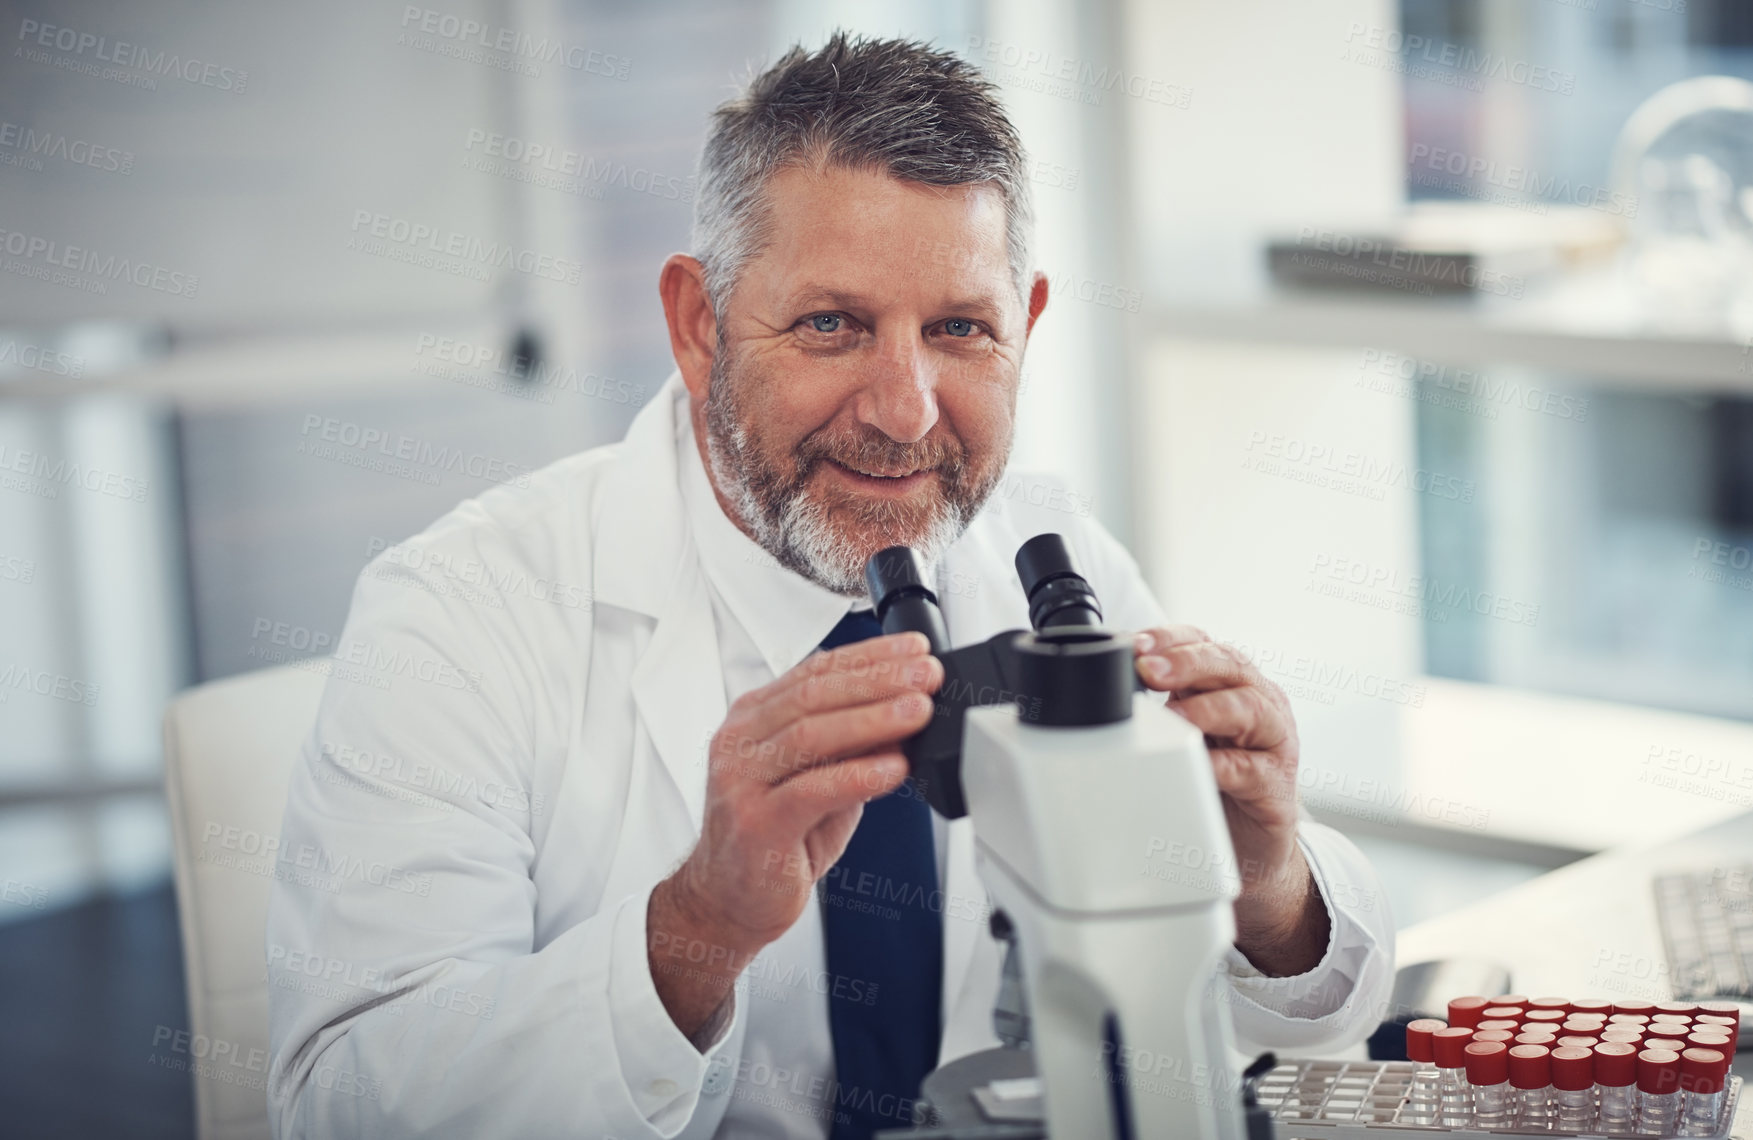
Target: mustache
[{"x": 874, "y": 451}]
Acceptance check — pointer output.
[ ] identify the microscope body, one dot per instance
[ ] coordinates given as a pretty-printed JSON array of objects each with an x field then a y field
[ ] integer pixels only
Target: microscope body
[
  {"x": 1073, "y": 779},
  {"x": 1119, "y": 962}
]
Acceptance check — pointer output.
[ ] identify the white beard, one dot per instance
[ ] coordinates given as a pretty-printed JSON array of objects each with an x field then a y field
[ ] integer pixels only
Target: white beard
[{"x": 804, "y": 538}]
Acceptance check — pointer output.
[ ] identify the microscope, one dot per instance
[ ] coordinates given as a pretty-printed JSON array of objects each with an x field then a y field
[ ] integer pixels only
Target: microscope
[{"x": 1072, "y": 775}]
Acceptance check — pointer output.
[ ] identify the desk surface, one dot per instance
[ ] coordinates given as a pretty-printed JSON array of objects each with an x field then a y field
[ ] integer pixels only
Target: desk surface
[{"x": 1589, "y": 929}]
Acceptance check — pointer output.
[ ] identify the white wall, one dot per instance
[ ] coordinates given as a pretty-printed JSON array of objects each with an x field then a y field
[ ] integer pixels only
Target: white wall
[{"x": 254, "y": 191}]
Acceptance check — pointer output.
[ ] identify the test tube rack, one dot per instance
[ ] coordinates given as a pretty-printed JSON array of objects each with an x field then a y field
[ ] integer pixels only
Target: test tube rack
[{"x": 1363, "y": 1100}]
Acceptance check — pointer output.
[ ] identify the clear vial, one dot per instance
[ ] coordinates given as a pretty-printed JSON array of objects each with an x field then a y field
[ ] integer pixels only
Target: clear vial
[
  {"x": 1658, "y": 1114},
  {"x": 1455, "y": 1098},
  {"x": 1701, "y": 1084},
  {"x": 1575, "y": 1110},
  {"x": 1488, "y": 1071},
  {"x": 1616, "y": 1087},
  {"x": 1423, "y": 1098},
  {"x": 1449, "y": 1051},
  {"x": 1658, "y": 1092},
  {"x": 1493, "y": 1106},
  {"x": 1534, "y": 1110},
  {"x": 1530, "y": 1070},
  {"x": 1618, "y": 1109},
  {"x": 1573, "y": 1089},
  {"x": 1703, "y": 1114}
]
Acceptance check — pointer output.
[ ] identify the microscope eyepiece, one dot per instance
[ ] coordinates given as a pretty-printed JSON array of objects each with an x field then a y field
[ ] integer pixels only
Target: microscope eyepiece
[
  {"x": 1058, "y": 595},
  {"x": 901, "y": 598},
  {"x": 1069, "y": 672}
]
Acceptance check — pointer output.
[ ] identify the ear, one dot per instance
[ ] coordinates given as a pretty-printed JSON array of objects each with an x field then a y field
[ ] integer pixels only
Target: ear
[
  {"x": 693, "y": 327},
  {"x": 1037, "y": 301}
]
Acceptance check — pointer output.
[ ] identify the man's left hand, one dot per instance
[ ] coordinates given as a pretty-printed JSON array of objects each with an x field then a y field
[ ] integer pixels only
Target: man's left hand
[{"x": 1281, "y": 922}]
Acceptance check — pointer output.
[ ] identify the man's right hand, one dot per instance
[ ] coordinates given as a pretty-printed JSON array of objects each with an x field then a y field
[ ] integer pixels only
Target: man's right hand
[{"x": 789, "y": 773}]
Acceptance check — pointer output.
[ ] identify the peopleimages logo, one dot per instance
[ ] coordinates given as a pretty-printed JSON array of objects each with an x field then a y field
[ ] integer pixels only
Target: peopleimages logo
[
  {"x": 81, "y": 46},
  {"x": 490, "y": 366},
  {"x": 1507, "y": 176},
  {"x": 30, "y": 145},
  {"x": 441, "y": 33},
  {"x": 371, "y": 230},
  {"x": 1462, "y": 61},
  {"x": 575, "y": 165},
  {"x": 42, "y": 257},
  {"x": 37, "y": 358},
  {"x": 376, "y": 448}
]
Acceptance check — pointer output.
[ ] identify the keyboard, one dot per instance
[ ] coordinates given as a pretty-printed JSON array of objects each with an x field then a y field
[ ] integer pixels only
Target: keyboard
[{"x": 1707, "y": 924}]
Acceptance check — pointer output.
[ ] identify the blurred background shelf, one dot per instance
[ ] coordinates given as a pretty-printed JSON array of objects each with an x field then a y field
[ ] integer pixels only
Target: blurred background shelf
[{"x": 1591, "y": 328}]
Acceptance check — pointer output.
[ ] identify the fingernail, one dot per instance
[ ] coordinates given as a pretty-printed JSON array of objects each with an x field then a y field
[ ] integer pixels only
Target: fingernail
[
  {"x": 1156, "y": 668},
  {"x": 1145, "y": 641}
]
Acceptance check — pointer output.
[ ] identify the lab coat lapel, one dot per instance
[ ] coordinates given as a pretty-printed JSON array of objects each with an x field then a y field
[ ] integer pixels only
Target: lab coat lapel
[
  {"x": 678, "y": 687},
  {"x": 645, "y": 561}
]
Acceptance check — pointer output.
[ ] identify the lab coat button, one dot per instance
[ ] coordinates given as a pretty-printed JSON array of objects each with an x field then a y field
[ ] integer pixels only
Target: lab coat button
[
  {"x": 663, "y": 1087},
  {"x": 717, "y": 1079}
]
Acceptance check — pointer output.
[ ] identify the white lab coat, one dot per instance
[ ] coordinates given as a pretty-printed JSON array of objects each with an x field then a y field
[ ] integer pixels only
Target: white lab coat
[{"x": 510, "y": 753}]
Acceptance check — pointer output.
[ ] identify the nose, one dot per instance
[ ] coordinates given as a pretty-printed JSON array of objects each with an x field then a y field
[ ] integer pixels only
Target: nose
[{"x": 900, "y": 391}]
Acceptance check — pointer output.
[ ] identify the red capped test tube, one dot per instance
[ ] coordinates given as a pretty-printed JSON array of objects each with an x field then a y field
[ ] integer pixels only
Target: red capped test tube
[
  {"x": 1726, "y": 1009},
  {"x": 1658, "y": 1092},
  {"x": 1423, "y": 1099},
  {"x": 1488, "y": 1072},
  {"x": 1467, "y": 1012},
  {"x": 1702, "y": 1072},
  {"x": 1531, "y": 1082},
  {"x": 1448, "y": 1047},
  {"x": 1616, "y": 1086},
  {"x": 1573, "y": 1089},
  {"x": 1728, "y": 1025}
]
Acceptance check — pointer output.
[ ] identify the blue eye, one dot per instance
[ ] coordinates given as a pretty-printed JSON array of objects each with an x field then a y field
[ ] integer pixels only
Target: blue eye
[
  {"x": 958, "y": 327},
  {"x": 825, "y": 322}
]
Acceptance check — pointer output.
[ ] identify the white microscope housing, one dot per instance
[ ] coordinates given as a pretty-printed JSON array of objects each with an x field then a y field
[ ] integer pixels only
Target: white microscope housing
[{"x": 1120, "y": 948}]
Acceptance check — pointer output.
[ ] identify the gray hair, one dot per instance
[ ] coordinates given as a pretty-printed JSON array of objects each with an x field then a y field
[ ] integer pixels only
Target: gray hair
[{"x": 898, "y": 106}]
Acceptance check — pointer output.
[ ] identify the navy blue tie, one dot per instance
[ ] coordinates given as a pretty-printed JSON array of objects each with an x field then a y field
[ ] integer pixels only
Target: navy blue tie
[{"x": 881, "y": 928}]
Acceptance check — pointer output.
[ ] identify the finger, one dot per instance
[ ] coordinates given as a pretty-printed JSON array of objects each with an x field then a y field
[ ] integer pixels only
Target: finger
[
  {"x": 834, "y": 735},
  {"x": 1165, "y": 636},
  {"x": 1242, "y": 717},
  {"x": 809, "y": 797},
  {"x": 1196, "y": 668},
  {"x": 852, "y": 674}
]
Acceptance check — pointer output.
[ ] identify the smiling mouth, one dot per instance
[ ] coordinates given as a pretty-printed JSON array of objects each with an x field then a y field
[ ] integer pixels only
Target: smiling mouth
[
  {"x": 877, "y": 474},
  {"x": 899, "y": 480}
]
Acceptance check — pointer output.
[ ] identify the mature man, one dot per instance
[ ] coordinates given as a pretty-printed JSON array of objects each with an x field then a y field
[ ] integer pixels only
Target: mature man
[{"x": 625, "y": 849}]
